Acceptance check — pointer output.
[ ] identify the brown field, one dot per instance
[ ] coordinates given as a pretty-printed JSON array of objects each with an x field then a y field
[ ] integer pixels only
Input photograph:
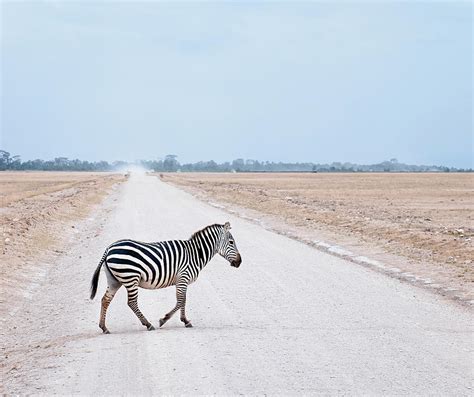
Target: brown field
[
  {"x": 425, "y": 218},
  {"x": 35, "y": 208}
]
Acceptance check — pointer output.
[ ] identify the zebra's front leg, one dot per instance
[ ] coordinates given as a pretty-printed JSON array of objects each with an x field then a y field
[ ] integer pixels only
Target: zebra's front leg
[
  {"x": 186, "y": 322},
  {"x": 180, "y": 304},
  {"x": 182, "y": 300},
  {"x": 133, "y": 304},
  {"x": 168, "y": 315}
]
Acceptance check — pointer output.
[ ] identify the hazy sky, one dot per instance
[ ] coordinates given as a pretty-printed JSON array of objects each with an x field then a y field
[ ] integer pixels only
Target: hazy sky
[{"x": 309, "y": 81}]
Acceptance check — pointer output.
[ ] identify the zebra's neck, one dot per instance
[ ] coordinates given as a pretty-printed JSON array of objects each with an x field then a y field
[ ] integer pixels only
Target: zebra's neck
[{"x": 206, "y": 244}]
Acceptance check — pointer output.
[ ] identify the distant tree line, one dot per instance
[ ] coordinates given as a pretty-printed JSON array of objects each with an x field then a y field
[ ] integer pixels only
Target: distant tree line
[
  {"x": 8, "y": 162},
  {"x": 171, "y": 164}
]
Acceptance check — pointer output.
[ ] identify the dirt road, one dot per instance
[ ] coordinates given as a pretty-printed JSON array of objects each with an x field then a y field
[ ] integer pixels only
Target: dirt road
[{"x": 290, "y": 320}]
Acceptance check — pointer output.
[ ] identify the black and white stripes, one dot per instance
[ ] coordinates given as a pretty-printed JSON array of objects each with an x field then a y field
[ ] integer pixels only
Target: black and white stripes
[{"x": 136, "y": 264}]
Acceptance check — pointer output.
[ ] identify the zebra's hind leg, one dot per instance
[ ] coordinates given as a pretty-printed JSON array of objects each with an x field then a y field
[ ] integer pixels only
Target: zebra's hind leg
[
  {"x": 106, "y": 299},
  {"x": 112, "y": 287},
  {"x": 133, "y": 304}
]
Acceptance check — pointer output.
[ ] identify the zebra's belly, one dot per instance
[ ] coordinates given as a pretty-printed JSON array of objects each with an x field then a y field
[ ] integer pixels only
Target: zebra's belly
[{"x": 151, "y": 284}]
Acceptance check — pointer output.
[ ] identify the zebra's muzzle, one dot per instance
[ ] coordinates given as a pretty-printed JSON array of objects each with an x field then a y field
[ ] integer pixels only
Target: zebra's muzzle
[{"x": 236, "y": 262}]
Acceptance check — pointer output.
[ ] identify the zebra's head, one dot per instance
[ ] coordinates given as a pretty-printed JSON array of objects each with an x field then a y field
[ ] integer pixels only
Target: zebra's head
[{"x": 227, "y": 247}]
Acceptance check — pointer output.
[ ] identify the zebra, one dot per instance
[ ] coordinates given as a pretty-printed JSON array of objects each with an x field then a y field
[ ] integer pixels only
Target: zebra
[{"x": 162, "y": 264}]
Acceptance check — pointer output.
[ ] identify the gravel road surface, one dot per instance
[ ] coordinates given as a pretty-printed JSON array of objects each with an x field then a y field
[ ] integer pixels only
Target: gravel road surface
[{"x": 290, "y": 320}]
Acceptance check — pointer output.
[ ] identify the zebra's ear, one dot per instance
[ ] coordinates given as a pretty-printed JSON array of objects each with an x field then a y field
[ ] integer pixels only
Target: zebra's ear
[{"x": 227, "y": 226}]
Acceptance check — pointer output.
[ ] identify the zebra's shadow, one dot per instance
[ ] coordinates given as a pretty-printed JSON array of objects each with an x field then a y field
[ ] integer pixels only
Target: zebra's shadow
[{"x": 183, "y": 329}]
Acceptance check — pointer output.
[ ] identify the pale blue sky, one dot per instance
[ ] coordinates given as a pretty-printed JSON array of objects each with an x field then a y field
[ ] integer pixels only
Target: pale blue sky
[{"x": 309, "y": 81}]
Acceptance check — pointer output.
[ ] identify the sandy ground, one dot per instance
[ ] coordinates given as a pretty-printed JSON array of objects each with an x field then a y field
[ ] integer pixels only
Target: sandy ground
[
  {"x": 290, "y": 320},
  {"x": 35, "y": 210},
  {"x": 420, "y": 223}
]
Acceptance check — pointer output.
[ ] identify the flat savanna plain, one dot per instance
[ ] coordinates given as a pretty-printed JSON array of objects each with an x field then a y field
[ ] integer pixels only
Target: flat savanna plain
[
  {"x": 423, "y": 219},
  {"x": 35, "y": 209}
]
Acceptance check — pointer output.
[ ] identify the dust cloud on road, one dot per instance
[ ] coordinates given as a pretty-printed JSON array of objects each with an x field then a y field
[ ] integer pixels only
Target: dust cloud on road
[{"x": 290, "y": 320}]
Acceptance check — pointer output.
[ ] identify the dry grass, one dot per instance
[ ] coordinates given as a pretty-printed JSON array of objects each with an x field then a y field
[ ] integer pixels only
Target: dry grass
[
  {"x": 426, "y": 218},
  {"x": 18, "y": 186},
  {"x": 36, "y": 210}
]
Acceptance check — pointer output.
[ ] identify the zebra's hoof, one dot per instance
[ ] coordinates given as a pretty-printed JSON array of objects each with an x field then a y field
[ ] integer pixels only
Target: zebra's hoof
[
  {"x": 188, "y": 325},
  {"x": 106, "y": 331},
  {"x": 150, "y": 328},
  {"x": 162, "y": 322}
]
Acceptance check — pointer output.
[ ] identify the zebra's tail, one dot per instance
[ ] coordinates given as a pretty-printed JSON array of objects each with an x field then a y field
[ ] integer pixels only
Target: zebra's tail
[{"x": 95, "y": 277}]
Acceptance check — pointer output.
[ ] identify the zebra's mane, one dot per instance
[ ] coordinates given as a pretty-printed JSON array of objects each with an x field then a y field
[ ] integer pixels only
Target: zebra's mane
[{"x": 195, "y": 234}]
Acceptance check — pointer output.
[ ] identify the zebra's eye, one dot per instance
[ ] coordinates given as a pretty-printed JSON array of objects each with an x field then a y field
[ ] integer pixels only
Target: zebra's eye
[{"x": 231, "y": 242}]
